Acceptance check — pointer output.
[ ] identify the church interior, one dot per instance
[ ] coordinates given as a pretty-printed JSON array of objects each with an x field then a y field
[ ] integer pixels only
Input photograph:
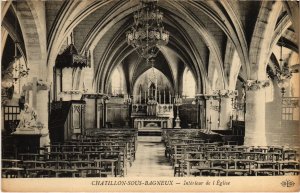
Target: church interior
[{"x": 133, "y": 88}]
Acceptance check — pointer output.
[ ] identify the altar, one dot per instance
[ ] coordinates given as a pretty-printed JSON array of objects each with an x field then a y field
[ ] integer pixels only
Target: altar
[
  {"x": 152, "y": 123},
  {"x": 153, "y": 104},
  {"x": 152, "y": 116}
]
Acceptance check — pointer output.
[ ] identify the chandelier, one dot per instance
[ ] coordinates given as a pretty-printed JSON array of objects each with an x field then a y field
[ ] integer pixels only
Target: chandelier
[
  {"x": 19, "y": 68},
  {"x": 147, "y": 33}
]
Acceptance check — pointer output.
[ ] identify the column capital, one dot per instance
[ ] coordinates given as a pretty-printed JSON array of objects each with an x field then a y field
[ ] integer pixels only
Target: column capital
[
  {"x": 200, "y": 97},
  {"x": 41, "y": 85},
  {"x": 224, "y": 93},
  {"x": 254, "y": 85}
]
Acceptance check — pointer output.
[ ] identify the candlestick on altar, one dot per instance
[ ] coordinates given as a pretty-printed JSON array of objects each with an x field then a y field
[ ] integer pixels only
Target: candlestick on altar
[
  {"x": 155, "y": 89},
  {"x": 140, "y": 97},
  {"x": 210, "y": 122},
  {"x": 159, "y": 99},
  {"x": 145, "y": 97}
]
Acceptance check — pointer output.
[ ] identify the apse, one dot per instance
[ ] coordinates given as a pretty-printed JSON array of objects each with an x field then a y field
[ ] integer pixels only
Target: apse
[{"x": 150, "y": 77}]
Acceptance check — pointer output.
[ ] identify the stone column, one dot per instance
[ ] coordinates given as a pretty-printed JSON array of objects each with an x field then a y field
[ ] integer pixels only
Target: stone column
[
  {"x": 203, "y": 113},
  {"x": 105, "y": 102},
  {"x": 226, "y": 108},
  {"x": 38, "y": 98},
  {"x": 201, "y": 105},
  {"x": 255, "y": 126},
  {"x": 208, "y": 113},
  {"x": 98, "y": 118},
  {"x": 42, "y": 111}
]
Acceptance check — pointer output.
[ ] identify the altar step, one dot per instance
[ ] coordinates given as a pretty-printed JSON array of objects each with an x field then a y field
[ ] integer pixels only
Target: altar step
[
  {"x": 150, "y": 131},
  {"x": 150, "y": 139}
]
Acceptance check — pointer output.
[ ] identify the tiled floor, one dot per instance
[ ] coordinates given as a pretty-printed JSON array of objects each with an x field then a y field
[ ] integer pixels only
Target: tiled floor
[{"x": 150, "y": 159}]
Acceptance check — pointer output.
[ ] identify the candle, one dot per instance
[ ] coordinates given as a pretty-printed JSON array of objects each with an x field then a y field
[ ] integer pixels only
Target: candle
[
  {"x": 169, "y": 97},
  {"x": 145, "y": 96}
]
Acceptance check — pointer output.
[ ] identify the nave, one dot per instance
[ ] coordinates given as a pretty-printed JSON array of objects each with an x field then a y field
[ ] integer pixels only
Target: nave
[
  {"x": 177, "y": 152},
  {"x": 127, "y": 88},
  {"x": 150, "y": 159}
]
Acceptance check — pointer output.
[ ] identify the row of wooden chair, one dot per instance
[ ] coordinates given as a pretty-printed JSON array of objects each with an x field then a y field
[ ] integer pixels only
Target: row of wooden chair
[
  {"x": 190, "y": 154},
  {"x": 234, "y": 166},
  {"x": 60, "y": 168},
  {"x": 106, "y": 153}
]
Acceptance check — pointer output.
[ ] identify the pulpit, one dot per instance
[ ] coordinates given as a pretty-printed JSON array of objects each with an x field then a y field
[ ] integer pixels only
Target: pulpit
[{"x": 66, "y": 120}]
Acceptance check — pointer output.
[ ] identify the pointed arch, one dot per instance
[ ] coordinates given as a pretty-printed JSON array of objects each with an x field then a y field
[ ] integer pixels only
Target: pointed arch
[{"x": 189, "y": 84}]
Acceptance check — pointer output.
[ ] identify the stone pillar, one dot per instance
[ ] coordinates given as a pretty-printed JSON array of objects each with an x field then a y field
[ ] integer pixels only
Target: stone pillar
[
  {"x": 42, "y": 111},
  {"x": 201, "y": 116},
  {"x": 96, "y": 121},
  {"x": 98, "y": 109},
  {"x": 202, "y": 113},
  {"x": 38, "y": 98},
  {"x": 103, "y": 114},
  {"x": 208, "y": 112},
  {"x": 226, "y": 111},
  {"x": 255, "y": 126},
  {"x": 226, "y": 108}
]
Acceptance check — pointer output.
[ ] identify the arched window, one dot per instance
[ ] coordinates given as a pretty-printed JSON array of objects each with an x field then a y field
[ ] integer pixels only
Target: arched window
[
  {"x": 189, "y": 84},
  {"x": 116, "y": 82}
]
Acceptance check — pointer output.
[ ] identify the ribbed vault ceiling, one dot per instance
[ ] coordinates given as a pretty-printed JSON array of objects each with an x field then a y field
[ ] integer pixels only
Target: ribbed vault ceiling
[{"x": 204, "y": 35}]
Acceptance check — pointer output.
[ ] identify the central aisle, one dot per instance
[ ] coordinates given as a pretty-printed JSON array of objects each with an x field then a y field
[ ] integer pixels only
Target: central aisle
[{"x": 150, "y": 159}]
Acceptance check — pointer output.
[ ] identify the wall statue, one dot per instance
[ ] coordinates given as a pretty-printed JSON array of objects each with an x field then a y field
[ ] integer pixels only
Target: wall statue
[{"x": 28, "y": 119}]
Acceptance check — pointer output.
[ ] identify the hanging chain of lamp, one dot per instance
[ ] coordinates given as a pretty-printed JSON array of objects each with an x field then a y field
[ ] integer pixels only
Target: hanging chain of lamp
[
  {"x": 19, "y": 69},
  {"x": 285, "y": 73}
]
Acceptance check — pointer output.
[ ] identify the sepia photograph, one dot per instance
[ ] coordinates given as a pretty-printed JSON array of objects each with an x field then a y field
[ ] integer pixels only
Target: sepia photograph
[{"x": 150, "y": 95}]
